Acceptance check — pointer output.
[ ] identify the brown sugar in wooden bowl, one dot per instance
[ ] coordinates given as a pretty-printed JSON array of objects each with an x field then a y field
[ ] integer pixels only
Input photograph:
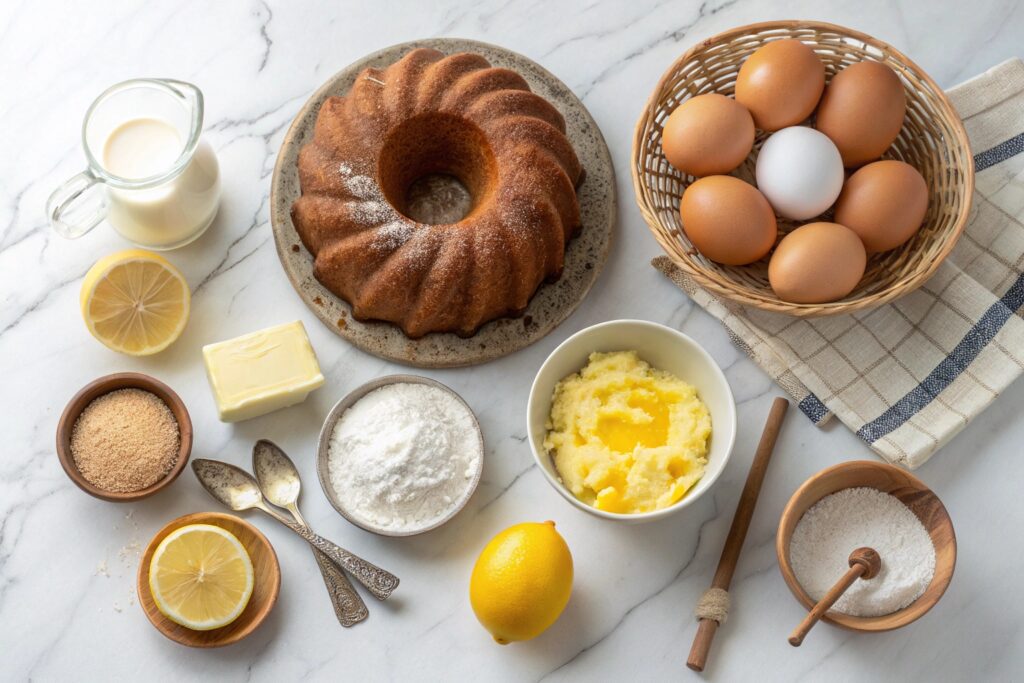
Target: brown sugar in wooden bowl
[
  {"x": 912, "y": 492},
  {"x": 105, "y": 385},
  {"x": 266, "y": 583}
]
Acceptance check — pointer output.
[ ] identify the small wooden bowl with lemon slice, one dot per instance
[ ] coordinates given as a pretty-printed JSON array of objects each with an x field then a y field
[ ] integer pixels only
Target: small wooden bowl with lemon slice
[{"x": 266, "y": 574}]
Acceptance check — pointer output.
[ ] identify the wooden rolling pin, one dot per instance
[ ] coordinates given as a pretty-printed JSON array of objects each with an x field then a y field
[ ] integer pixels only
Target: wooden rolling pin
[
  {"x": 707, "y": 626},
  {"x": 864, "y": 564}
]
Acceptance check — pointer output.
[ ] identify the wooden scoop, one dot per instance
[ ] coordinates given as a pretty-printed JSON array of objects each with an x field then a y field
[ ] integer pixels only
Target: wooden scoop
[{"x": 864, "y": 564}]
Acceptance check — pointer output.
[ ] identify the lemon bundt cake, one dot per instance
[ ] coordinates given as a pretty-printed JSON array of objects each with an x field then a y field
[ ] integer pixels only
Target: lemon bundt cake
[{"x": 425, "y": 116}]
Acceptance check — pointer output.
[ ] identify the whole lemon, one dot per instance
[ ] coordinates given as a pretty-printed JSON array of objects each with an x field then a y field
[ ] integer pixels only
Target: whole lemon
[{"x": 521, "y": 582}]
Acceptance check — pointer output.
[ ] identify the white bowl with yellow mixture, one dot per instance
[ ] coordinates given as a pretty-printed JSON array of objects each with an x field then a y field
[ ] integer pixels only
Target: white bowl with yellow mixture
[{"x": 631, "y": 420}]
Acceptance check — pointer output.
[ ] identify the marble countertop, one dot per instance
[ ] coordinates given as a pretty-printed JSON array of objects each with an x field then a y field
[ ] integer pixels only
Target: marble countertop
[{"x": 68, "y": 561}]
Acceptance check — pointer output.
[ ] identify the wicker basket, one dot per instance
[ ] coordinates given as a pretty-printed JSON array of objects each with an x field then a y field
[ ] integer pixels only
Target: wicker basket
[{"x": 933, "y": 140}]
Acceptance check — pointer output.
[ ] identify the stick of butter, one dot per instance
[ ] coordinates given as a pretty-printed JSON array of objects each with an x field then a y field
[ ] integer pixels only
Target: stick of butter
[{"x": 262, "y": 371}]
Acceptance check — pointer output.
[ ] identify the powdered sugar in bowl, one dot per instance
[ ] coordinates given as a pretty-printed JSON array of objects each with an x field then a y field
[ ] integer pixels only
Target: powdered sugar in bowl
[
  {"x": 400, "y": 455},
  {"x": 886, "y": 479}
]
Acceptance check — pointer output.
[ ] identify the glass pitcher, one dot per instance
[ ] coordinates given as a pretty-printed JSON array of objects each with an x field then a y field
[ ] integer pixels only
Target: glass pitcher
[{"x": 150, "y": 174}]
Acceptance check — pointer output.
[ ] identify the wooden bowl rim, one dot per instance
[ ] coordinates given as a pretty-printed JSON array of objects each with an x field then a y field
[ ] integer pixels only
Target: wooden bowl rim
[
  {"x": 885, "y": 622},
  {"x": 104, "y": 385},
  {"x": 908, "y": 282},
  {"x": 163, "y": 624},
  {"x": 350, "y": 399}
]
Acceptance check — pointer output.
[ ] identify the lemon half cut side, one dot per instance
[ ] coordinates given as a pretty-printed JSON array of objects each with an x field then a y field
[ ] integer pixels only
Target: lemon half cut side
[
  {"x": 135, "y": 302},
  {"x": 201, "y": 577}
]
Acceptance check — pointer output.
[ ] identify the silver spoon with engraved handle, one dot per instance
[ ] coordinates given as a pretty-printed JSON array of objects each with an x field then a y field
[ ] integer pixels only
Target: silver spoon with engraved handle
[
  {"x": 279, "y": 480},
  {"x": 237, "y": 489}
]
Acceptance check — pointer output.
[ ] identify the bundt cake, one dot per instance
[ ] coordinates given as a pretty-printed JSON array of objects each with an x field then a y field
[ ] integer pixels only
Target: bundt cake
[{"x": 427, "y": 115}]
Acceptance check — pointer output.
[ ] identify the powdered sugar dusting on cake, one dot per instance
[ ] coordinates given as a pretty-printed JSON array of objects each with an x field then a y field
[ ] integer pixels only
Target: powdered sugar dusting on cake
[
  {"x": 363, "y": 187},
  {"x": 407, "y": 242},
  {"x": 371, "y": 212},
  {"x": 392, "y": 235},
  {"x": 521, "y": 219},
  {"x": 490, "y": 245},
  {"x": 417, "y": 254},
  {"x": 369, "y": 207}
]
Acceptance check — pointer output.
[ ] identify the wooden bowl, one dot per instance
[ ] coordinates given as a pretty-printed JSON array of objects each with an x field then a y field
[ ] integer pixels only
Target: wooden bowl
[
  {"x": 323, "y": 468},
  {"x": 267, "y": 583},
  {"x": 933, "y": 141},
  {"x": 914, "y": 494},
  {"x": 104, "y": 385}
]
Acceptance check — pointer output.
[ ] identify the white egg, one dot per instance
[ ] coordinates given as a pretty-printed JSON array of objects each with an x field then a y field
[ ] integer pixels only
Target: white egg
[{"x": 800, "y": 171}]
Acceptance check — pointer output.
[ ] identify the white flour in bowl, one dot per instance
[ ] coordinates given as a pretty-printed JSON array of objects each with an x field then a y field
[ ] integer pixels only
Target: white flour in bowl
[
  {"x": 404, "y": 456},
  {"x": 859, "y": 517}
]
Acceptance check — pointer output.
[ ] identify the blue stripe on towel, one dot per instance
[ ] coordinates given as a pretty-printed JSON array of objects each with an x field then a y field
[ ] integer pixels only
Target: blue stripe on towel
[
  {"x": 973, "y": 342},
  {"x": 965, "y": 352},
  {"x": 950, "y": 368},
  {"x": 999, "y": 153},
  {"x": 812, "y": 407}
]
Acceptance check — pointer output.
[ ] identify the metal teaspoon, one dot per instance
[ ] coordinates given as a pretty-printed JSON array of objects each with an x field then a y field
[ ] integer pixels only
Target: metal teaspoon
[
  {"x": 279, "y": 480},
  {"x": 237, "y": 489}
]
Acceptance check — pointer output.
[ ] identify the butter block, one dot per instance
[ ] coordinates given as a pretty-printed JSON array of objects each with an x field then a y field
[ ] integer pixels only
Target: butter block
[{"x": 263, "y": 371}]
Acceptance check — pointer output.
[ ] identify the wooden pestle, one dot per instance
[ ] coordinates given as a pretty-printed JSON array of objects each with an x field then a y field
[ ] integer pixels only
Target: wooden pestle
[
  {"x": 706, "y": 628},
  {"x": 864, "y": 564}
]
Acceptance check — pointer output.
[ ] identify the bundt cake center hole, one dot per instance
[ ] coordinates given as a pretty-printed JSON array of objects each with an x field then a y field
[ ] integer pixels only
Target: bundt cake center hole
[
  {"x": 438, "y": 198},
  {"x": 436, "y": 168}
]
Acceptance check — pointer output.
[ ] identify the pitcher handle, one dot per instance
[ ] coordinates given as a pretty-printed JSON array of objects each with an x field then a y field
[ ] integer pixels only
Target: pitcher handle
[{"x": 77, "y": 206}]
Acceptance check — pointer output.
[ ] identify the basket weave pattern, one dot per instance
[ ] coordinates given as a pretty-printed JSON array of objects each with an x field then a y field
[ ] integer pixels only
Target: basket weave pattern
[{"x": 933, "y": 141}]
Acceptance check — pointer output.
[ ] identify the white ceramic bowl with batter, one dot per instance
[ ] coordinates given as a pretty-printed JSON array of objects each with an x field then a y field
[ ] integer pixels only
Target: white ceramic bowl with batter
[{"x": 665, "y": 349}]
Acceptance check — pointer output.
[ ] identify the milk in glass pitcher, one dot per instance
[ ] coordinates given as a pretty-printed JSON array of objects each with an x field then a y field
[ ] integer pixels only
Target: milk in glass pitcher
[{"x": 150, "y": 174}]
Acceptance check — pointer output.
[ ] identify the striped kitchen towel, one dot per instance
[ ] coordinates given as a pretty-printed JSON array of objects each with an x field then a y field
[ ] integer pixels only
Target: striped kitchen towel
[{"x": 907, "y": 376}]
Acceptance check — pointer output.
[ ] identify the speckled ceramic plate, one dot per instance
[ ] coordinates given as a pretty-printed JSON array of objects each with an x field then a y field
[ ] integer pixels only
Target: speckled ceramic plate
[{"x": 550, "y": 305}]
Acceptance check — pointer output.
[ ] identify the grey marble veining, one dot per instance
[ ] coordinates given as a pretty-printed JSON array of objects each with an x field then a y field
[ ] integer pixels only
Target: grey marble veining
[{"x": 68, "y": 562}]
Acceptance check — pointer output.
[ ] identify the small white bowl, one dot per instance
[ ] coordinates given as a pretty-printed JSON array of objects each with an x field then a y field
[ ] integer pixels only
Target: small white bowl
[
  {"x": 665, "y": 349},
  {"x": 323, "y": 468}
]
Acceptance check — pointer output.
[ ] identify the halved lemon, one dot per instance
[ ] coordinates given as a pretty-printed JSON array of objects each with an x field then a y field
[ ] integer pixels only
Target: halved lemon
[
  {"x": 135, "y": 302},
  {"x": 201, "y": 577}
]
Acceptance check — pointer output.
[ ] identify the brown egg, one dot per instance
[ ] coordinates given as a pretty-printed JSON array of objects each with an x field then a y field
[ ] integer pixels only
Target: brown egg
[
  {"x": 780, "y": 84},
  {"x": 728, "y": 220},
  {"x": 884, "y": 203},
  {"x": 708, "y": 135},
  {"x": 862, "y": 111},
  {"x": 817, "y": 263}
]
